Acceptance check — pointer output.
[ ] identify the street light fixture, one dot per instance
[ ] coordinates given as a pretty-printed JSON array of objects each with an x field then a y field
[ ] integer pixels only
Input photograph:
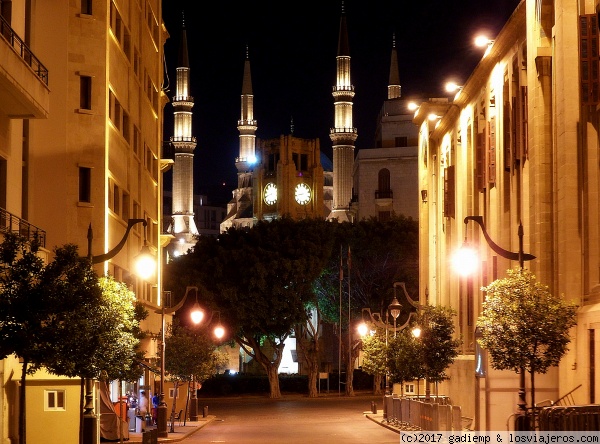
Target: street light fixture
[
  {"x": 196, "y": 315},
  {"x": 145, "y": 266},
  {"x": 394, "y": 309},
  {"x": 521, "y": 422}
]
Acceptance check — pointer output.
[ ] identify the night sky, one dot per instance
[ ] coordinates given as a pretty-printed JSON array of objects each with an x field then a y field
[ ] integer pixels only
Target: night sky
[{"x": 292, "y": 48}]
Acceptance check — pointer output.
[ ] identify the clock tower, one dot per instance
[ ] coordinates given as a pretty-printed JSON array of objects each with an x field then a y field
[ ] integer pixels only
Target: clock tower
[{"x": 288, "y": 180}]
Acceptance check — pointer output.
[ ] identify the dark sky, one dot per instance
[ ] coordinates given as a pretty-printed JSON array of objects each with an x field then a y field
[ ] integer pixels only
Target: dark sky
[{"x": 292, "y": 48}]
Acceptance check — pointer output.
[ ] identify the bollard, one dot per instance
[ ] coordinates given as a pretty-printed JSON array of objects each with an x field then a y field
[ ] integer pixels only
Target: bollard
[
  {"x": 373, "y": 407},
  {"x": 205, "y": 411}
]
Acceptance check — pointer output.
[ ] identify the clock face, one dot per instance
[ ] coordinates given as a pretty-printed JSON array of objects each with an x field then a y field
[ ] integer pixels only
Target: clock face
[
  {"x": 270, "y": 193},
  {"x": 302, "y": 194}
]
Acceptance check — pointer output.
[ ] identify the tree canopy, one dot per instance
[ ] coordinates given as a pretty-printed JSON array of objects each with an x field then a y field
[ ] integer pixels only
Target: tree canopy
[{"x": 523, "y": 325}]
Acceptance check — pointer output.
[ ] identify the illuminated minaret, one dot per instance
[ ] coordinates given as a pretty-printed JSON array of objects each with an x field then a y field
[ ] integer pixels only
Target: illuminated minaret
[
  {"x": 394, "y": 88},
  {"x": 183, "y": 226},
  {"x": 344, "y": 134},
  {"x": 239, "y": 209},
  {"x": 247, "y": 129}
]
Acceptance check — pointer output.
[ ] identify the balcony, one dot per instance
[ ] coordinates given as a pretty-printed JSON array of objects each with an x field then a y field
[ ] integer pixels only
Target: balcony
[
  {"x": 9, "y": 223},
  {"x": 24, "y": 92},
  {"x": 383, "y": 197}
]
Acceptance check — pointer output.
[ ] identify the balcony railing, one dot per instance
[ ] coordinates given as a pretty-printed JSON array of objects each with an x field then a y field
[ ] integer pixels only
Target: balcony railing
[
  {"x": 384, "y": 194},
  {"x": 23, "y": 50},
  {"x": 9, "y": 223}
]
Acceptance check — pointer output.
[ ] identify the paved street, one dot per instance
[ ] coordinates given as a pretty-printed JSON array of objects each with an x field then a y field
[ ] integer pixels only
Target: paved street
[{"x": 290, "y": 420}]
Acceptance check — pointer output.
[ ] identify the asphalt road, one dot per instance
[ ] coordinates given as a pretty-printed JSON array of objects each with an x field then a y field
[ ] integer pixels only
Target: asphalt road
[{"x": 292, "y": 419}]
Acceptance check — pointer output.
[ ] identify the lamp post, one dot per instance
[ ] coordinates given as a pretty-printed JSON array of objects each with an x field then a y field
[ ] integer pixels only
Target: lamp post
[
  {"x": 145, "y": 265},
  {"x": 196, "y": 315},
  {"x": 521, "y": 420},
  {"x": 394, "y": 309}
]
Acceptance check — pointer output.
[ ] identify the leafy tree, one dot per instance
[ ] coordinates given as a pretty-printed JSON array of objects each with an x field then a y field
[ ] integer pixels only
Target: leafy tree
[
  {"x": 376, "y": 254},
  {"x": 36, "y": 301},
  {"x": 374, "y": 358},
  {"x": 264, "y": 281},
  {"x": 189, "y": 355},
  {"x": 524, "y": 326},
  {"x": 438, "y": 347},
  {"x": 404, "y": 355}
]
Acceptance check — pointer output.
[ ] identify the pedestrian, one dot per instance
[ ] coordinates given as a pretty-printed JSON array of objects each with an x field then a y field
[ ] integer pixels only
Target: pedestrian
[{"x": 143, "y": 404}]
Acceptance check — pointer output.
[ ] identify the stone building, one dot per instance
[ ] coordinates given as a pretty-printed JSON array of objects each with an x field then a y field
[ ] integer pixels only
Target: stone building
[
  {"x": 81, "y": 106},
  {"x": 518, "y": 145}
]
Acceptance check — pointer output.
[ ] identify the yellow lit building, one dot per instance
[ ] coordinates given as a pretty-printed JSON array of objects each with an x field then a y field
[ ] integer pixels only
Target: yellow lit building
[
  {"x": 81, "y": 118},
  {"x": 518, "y": 144}
]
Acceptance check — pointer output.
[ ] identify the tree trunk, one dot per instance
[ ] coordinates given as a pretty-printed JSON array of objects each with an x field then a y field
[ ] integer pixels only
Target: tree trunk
[
  {"x": 377, "y": 379},
  {"x": 533, "y": 409},
  {"x": 273, "y": 376},
  {"x": 81, "y": 404},
  {"x": 22, "y": 419},
  {"x": 309, "y": 347}
]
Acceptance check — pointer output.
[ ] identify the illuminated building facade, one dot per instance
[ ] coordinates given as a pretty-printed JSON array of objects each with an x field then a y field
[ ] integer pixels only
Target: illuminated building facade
[{"x": 518, "y": 144}]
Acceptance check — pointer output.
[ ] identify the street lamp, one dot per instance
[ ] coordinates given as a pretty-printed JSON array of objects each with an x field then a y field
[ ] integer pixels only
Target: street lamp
[
  {"x": 196, "y": 316},
  {"x": 521, "y": 421},
  {"x": 145, "y": 266},
  {"x": 394, "y": 309}
]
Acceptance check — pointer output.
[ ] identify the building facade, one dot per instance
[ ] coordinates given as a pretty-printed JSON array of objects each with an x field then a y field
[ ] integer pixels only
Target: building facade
[
  {"x": 385, "y": 176},
  {"x": 518, "y": 145},
  {"x": 80, "y": 148}
]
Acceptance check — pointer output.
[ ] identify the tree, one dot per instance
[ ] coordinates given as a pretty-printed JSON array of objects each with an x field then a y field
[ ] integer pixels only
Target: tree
[
  {"x": 438, "y": 347},
  {"x": 382, "y": 253},
  {"x": 189, "y": 356},
  {"x": 404, "y": 356},
  {"x": 374, "y": 358},
  {"x": 264, "y": 279},
  {"x": 524, "y": 326},
  {"x": 60, "y": 316}
]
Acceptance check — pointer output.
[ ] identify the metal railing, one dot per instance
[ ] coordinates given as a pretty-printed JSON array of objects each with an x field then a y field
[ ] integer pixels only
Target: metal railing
[
  {"x": 23, "y": 50},
  {"x": 384, "y": 194},
  {"x": 9, "y": 223}
]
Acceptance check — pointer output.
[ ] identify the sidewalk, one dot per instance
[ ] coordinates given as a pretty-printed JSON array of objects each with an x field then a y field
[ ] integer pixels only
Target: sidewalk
[
  {"x": 181, "y": 431},
  {"x": 378, "y": 418}
]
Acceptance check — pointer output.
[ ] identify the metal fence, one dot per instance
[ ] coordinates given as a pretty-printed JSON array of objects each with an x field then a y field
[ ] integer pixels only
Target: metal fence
[
  {"x": 412, "y": 414},
  {"x": 570, "y": 418}
]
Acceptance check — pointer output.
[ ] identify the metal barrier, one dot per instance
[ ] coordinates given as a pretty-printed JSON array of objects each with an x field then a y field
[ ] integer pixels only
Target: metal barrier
[
  {"x": 570, "y": 418},
  {"x": 410, "y": 414}
]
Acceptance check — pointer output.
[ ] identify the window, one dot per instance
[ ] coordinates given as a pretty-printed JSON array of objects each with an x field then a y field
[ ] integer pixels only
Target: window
[
  {"x": 85, "y": 92},
  {"x": 401, "y": 141},
  {"x": 172, "y": 393},
  {"x": 54, "y": 400},
  {"x": 383, "y": 185},
  {"x": 86, "y": 7},
  {"x": 85, "y": 184},
  {"x": 409, "y": 389}
]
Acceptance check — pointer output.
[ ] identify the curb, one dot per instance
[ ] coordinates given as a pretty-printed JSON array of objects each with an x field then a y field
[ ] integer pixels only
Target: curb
[{"x": 180, "y": 433}]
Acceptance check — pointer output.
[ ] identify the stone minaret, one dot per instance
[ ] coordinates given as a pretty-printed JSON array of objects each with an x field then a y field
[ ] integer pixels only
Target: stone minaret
[
  {"x": 394, "y": 88},
  {"x": 240, "y": 208},
  {"x": 183, "y": 226},
  {"x": 343, "y": 135}
]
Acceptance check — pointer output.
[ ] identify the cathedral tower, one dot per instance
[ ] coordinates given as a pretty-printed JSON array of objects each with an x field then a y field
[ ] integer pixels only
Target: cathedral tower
[
  {"x": 183, "y": 226},
  {"x": 343, "y": 135}
]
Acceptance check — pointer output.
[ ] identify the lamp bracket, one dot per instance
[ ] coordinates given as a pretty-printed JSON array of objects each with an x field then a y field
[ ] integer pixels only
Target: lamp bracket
[
  {"x": 514, "y": 256},
  {"x": 112, "y": 253}
]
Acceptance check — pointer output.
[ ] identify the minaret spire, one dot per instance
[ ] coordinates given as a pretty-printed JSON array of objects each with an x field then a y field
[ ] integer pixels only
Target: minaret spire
[
  {"x": 246, "y": 124},
  {"x": 394, "y": 88},
  {"x": 183, "y": 226},
  {"x": 343, "y": 135}
]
